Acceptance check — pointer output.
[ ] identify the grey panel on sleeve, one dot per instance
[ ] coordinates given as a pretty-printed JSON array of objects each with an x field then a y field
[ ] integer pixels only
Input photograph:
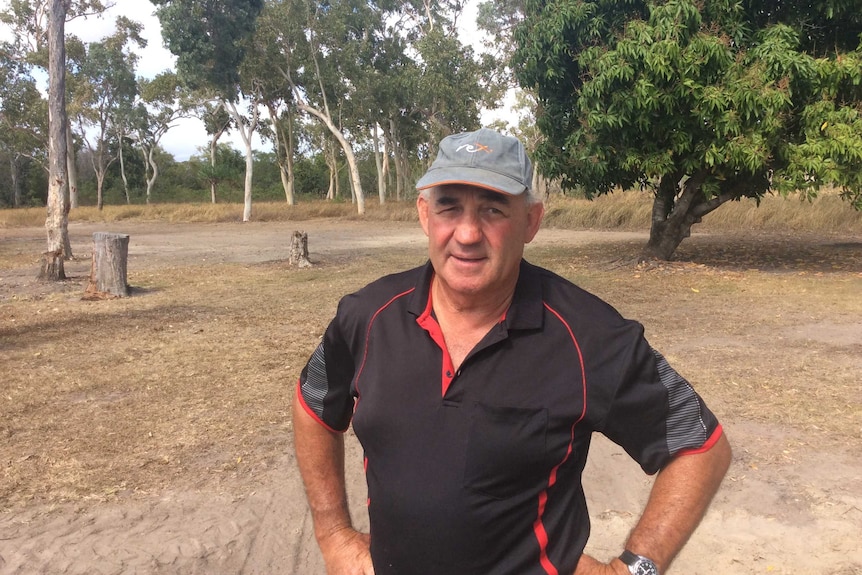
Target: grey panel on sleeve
[
  {"x": 686, "y": 428},
  {"x": 315, "y": 385}
]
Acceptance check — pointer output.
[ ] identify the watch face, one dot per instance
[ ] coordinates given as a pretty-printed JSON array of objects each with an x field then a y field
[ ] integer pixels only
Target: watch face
[{"x": 644, "y": 567}]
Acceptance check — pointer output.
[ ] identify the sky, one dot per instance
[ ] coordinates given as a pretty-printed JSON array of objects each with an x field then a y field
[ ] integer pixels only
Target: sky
[{"x": 188, "y": 135}]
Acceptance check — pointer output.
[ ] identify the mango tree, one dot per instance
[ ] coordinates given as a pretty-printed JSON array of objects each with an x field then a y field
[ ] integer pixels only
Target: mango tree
[{"x": 701, "y": 102}]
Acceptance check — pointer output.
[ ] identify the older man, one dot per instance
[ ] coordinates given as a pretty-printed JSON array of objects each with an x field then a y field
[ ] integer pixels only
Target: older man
[{"x": 474, "y": 384}]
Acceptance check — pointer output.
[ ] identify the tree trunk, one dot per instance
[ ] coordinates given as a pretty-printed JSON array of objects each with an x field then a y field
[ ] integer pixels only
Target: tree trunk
[
  {"x": 71, "y": 167},
  {"x": 353, "y": 167},
  {"x": 673, "y": 214},
  {"x": 291, "y": 176},
  {"x": 249, "y": 167},
  {"x": 123, "y": 173},
  {"x": 151, "y": 161},
  {"x": 67, "y": 242},
  {"x": 387, "y": 149},
  {"x": 55, "y": 223},
  {"x": 212, "y": 164},
  {"x": 108, "y": 270},
  {"x": 378, "y": 162},
  {"x": 246, "y": 131},
  {"x": 15, "y": 173},
  {"x": 329, "y": 156},
  {"x": 100, "y": 185},
  {"x": 299, "y": 250},
  {"x": 52, "y": 266},
  {"x": 283, "y": 152}
]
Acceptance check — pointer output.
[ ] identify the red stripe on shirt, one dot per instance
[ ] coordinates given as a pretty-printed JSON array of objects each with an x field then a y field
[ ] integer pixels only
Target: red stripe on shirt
[
  {"x": 538, "y": 525},
  {"x": 368, "y": 337}
]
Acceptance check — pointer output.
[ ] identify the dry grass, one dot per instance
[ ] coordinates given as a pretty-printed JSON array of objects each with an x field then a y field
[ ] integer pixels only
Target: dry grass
[
  {"x": 632, "y": 211},
  {"x": 189, "y": 382},
  {"x": 212, "y": 213},
  {"x": 624, "y": 211}
]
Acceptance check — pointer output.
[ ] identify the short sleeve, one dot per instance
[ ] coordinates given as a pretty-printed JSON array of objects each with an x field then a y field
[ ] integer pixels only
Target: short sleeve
[
  {"x": 325, "y": 384},
  {"x": 656, "y": 413}
]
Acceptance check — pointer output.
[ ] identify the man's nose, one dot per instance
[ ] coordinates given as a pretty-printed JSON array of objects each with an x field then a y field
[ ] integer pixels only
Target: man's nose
[{"x": 469, "y": 230}]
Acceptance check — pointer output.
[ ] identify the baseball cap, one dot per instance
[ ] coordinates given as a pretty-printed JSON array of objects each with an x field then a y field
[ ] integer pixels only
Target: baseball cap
[{"x": 483, "y": 158}]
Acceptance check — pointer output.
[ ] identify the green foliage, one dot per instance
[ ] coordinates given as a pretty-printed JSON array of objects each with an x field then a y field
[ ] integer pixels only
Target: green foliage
[
  {"x": 449, "y": 84},
  {"x": 312, "y": 176},
  {"x": 703, "y": 102},
  {"x": 207, "y": 36}
]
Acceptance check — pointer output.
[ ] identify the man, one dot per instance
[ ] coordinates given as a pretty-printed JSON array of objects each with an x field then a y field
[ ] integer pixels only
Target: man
[{"x": 474, "y": 384}]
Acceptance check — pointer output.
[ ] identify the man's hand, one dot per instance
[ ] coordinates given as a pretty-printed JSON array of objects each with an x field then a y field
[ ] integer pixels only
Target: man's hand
[
  {"x": 346, "y": 552},
  {"x": 589, "y": 566}
]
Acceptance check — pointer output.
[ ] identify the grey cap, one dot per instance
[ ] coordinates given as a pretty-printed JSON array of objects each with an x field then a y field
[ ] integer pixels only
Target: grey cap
[{"x": 484, "y": 158}]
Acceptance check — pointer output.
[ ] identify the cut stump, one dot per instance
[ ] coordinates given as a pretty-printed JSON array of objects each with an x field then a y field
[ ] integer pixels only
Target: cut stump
[
  {"x": 299, "y": 250},
  {"x": 108, "y": 271},
  {"x": 52, "y": 266}
]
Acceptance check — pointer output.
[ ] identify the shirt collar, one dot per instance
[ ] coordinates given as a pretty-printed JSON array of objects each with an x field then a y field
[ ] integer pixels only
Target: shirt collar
[{"x": 525, "y": 312}]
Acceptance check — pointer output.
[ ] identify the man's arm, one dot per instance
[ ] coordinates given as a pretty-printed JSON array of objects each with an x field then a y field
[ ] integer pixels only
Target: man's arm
[
  {"x": 320, "y": 454},
  {"x": 678, "y": 501}
]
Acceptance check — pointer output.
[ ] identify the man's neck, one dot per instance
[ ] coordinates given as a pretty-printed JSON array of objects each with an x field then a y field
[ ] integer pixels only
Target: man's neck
[{"x": 475, "y": 309}]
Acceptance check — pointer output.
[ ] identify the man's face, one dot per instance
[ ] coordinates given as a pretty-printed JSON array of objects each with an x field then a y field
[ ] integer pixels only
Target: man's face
[{"x": 476, "y": 237}]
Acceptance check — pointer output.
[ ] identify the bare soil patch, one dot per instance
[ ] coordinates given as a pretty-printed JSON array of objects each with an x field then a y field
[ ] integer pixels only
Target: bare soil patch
[{"x": 152, "y": 434}]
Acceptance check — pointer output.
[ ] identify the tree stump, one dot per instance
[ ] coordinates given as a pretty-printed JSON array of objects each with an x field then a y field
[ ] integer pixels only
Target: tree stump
[
  {"x": 299, "y": 250},
  {"x": 108, "y": 271},
  {"x": 52, "y": 266}
]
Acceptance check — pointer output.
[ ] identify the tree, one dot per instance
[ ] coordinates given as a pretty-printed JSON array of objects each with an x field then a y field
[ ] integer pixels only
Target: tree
[
  {"x": 56, "y": 224},
  {"x": 700, "y": 102},
  {"x": 28, "y": 20},
  {"x": 207, "y": 37},
  {"x": 162, "y": 102},
  {"x": 216, "y": 122},
  {"x": 324, "y": 48},
  {"x": 108, "y": 74},
  {"x": 210, "y": 39},
  {"x": 275, "y": 93},
  {"x": 23, "y": 122}
]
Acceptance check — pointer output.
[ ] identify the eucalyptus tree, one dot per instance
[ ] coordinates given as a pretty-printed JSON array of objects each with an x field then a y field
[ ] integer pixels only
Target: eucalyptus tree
[
  {"x": 38, "y": 27},
  {"x": 23, "y": 122},
  {"x": 247, "y": 125},
  {"x": 275, "y": 93},
  {"x": 109, "y": 87},
  {"x": 448, "y": 86},
  {"x": 162, "y": 101},
  {"x": 56, "y": 222},
  {"x": 699, "y": 101},
  {"x": 325, "y": 49},
  {"x": 28, "y": 21},
  {"x": 217, "y": 122},
  {"x": 210, "y": 39}
]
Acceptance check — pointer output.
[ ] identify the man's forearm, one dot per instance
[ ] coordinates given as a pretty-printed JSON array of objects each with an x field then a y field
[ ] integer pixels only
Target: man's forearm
[
  {"x": 320, "y": 454},
  {"x": 677, "y": 503}
]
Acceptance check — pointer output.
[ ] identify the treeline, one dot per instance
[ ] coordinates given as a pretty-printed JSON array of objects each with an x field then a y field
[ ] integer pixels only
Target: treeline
[
  {"x": 183, "y": 181},
  {"x": 358, "y": 91}
]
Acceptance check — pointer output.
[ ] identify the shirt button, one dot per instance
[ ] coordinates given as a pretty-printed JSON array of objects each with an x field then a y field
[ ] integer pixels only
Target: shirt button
[{"x": 449, "y": 374}]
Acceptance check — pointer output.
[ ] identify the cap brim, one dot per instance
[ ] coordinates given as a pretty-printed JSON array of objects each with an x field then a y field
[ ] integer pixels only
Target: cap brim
[{"x": 470, "y": 176}]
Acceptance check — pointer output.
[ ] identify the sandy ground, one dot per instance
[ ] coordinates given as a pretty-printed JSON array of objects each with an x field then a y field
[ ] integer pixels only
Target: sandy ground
[{"x": 780, "y": 510}]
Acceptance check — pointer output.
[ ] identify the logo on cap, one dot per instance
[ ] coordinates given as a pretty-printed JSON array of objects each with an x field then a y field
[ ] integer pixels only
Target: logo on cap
[{"x": 473, "y": 148}]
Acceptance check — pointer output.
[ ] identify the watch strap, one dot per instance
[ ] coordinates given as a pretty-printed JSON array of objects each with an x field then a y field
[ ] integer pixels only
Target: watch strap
[{"x": 633, "y": 559}]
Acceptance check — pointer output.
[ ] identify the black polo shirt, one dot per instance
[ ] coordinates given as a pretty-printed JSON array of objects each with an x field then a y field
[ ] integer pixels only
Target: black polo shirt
[{"x": 479, "y": 471}]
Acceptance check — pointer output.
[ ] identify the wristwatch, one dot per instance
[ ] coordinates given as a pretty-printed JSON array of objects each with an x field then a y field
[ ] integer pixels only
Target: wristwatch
[{"x": 638, "y": 564}]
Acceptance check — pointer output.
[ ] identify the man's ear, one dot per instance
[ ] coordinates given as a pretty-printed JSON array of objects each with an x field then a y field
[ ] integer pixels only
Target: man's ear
[
  {"x": 422, "y": 208},
  {"x": 535, "y": 213}
]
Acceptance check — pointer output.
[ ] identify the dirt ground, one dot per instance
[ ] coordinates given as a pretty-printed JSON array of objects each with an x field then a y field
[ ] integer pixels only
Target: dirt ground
[{"x": 142, "y": 436}]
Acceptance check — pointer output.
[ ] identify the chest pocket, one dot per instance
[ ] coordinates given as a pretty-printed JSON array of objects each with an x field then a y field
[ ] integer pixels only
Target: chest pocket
[{"x": 506, "y": 450}]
